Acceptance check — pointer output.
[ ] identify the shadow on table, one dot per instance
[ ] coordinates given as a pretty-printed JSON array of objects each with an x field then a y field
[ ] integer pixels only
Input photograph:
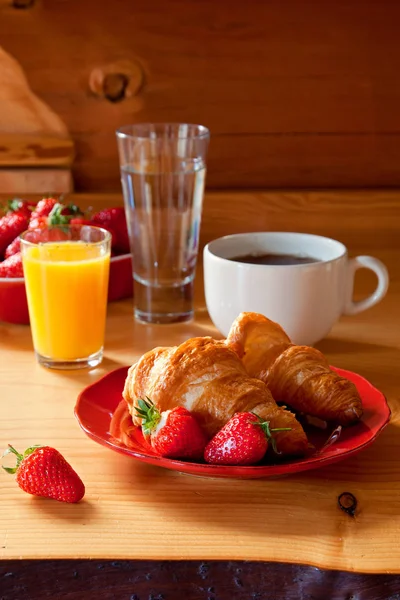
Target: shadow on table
[
  {"x": 83, "y": 512},
  {"x": 16, "y": 337},
  {"x": 286, "y": 508},
  {"x": 335, "y": 345}
]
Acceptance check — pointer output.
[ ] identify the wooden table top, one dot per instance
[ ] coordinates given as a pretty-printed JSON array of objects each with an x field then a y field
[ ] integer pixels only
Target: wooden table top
[{"x": 135, "y": 511}]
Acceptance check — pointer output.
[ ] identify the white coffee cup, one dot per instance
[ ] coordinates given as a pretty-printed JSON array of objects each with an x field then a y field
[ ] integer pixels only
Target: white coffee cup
[{"x": 305, "y": 299}]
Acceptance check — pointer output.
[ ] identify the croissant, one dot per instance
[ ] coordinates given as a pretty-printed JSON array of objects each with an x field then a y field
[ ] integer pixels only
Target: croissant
[
  {"x": 296, "y": 375},
  {"x": 209, "y": 379}
]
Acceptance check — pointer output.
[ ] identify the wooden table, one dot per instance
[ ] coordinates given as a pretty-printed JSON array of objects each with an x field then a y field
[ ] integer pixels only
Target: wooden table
[{"x": 137, "y": 512}]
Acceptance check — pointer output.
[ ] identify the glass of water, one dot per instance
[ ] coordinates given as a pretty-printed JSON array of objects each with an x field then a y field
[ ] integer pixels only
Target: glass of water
[{"x": 163, "y": 171}]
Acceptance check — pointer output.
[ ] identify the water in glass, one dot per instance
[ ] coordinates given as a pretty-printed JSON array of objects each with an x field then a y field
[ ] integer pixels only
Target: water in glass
[{"x": 164, "y": 212}]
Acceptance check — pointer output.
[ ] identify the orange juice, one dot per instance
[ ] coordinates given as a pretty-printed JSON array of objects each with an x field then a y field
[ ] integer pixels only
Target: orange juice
[{"x": 66, "y": 284}]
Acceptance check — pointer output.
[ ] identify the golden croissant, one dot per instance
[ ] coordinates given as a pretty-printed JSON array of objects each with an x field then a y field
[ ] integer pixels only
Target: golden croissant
[
  {"x": 296, "y": 375},
  {"x": 208, "y": 378}
]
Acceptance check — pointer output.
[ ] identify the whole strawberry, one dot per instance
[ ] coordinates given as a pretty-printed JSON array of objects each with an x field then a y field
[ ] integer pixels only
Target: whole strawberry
[
  {"x": 13, "y": 248},
  {"x": 12, "y": 266},
  {"x": 44, "y": 207},
  {"x": 114, "y": 220},
  {"x": 43, "y": 471},
  {"x": 22, "y": 207},
  {"x": 242, "y": 441},
  {"x": 173, "y": 433},
  {"x": 56, "y": 216},
  {"x": 81, "y": 221},
  {"x": 11, "y": 226}
]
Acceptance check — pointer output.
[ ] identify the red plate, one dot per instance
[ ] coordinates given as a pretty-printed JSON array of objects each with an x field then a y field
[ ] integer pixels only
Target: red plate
[{"x": 98, "y": 403}]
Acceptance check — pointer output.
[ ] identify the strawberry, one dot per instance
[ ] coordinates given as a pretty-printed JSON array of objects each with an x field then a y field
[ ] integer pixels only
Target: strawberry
[
  {"x": 242, "y": 441},
  {"x": 80, "y": 221},
  {"x": 114, "y": 220},
  {"x": 12, "y": 266},
  {"x": 13, "y": 248},
  {"x": 44, "y": 207},
  {"x": 38, "y": 222},
  {"x": 22, "y": 207},
  {"x": 72, "y": 210},
  {"x": 56, "y": 216},
  {"x": 173, "y": 433},
  {"x": 43, "y": 471},
  {"x": 11, "y": 226}
]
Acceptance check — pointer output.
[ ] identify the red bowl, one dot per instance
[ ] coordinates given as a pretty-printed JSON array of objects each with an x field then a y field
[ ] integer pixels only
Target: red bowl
[
  {"x": 13, "y": 302},
  {"x": 120, "y": 284}
]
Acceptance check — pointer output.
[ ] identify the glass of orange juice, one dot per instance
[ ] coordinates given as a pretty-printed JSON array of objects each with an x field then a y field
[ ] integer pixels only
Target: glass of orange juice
[{"x": 66, "y": 271}]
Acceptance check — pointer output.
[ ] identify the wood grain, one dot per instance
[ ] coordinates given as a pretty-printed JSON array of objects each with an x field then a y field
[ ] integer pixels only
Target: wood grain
[
  {"x": 295, "y": 94},
  {"x": 364, "y": 220},
  {"x": 43, "y": 150},
  {"x": 140, "y": 512},
  {"x": 17, "y": 181}
]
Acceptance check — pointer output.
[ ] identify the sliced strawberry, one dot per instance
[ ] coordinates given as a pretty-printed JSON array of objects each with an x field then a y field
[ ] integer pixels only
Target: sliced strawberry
[{"x": 12, "y": 266}]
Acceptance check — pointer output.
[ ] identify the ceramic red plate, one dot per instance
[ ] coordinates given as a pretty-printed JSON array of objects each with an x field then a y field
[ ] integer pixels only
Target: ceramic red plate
[{"x": 100, "y": 409}]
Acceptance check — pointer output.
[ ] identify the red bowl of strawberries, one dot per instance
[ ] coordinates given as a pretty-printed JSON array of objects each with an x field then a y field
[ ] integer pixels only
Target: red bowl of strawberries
[{"x": 20, "y": 215}]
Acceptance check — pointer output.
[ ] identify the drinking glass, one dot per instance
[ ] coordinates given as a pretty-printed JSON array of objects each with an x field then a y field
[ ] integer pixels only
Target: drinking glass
[
  {"x": 163, "y": 171},
  {"x": 66, "y": 271}
]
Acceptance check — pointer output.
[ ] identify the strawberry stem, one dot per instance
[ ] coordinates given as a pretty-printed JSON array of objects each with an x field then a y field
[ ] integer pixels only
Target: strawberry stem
[
  {"x": 149, "y": 414},
  {"x": 20, "y": 457},
  {"x": 15, "y": 204},
  {"x": 268, "y": 432},
  {"x": 56, "y": 217},
  {"x": 74, "y": 210}
]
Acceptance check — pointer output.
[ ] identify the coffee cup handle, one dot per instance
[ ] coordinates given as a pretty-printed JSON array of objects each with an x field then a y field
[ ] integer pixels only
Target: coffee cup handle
[{"x": 375, "y": 265}]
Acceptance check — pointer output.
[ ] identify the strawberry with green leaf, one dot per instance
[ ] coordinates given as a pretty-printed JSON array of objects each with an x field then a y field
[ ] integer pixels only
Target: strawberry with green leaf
[
  {"x": 50, "y": 211},
  {"x": 43, "y": 471},
  {"x": 22, "y": 207},
  {"x": 44, "y": 207},
  {"x": 242, "y": 441},
  {"x": 56, "y": 216},
  {"x": 172, "y": 433}
]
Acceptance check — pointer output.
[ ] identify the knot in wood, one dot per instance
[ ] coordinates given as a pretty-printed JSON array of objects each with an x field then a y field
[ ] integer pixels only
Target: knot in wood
[
  {"x": 347, "y": 503},
  {"x": 116, "y": 81},
  {"x": 114, "y": 86},
  {"x": 23, "y": 3}
]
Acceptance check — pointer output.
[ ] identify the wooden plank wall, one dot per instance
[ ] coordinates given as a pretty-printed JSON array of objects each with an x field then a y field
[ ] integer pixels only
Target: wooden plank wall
[{"x": 296, "y": 93}]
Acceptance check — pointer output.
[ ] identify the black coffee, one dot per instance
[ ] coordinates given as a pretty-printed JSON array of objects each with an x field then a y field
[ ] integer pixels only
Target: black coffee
[{"x": 274, "y": 259}]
